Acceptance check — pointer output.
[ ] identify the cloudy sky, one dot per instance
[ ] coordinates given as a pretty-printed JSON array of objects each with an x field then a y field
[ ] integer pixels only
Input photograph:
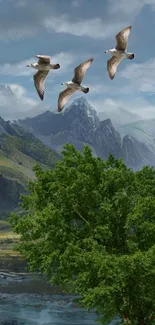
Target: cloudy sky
[{"x": 71, "y": 31}]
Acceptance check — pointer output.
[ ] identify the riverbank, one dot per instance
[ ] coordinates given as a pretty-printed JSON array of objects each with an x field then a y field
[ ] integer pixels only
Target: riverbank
[
  {"x": 10, "y": 259},
  {"x": 28, "y": 298}
]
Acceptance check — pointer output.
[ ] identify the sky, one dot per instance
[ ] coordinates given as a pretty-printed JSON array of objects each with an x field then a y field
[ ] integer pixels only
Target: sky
[{"x": 71, "y": 31}]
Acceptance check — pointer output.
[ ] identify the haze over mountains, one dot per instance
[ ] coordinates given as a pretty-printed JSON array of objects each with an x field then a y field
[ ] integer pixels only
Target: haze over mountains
[
  {"x": 40, "y": 139},
  {"x": 78, "y": 127},
  {"x": 119, "y": 115},
  {"x": 143, "y": 130},
  {"x": 80, "y": 124}
]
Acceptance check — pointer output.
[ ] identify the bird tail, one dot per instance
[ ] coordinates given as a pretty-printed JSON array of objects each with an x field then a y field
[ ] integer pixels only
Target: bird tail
[
  {"x": 131, "y": 56},
  {"x": 85, "y": 90},
  {"x": 55, "y": 66}
]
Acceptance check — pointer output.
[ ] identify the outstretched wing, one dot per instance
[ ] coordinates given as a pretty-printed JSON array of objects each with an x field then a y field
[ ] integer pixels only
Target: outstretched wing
[
  {"x": 80, "y": 71},
  {"x": 112, "y": 65},
  {"x": 43, "y": 59},
  {"x": 122, "y": 38},
  {"x": 64, "y": 96},
  {"x": 39, "y": 82}
]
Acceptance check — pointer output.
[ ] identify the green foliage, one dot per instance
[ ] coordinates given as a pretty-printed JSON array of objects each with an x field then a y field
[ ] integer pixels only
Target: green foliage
[{"x": 90, "y": 225}]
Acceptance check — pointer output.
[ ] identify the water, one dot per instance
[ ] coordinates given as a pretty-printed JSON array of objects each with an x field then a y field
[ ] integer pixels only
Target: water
[{"x": 45, "y": 308}]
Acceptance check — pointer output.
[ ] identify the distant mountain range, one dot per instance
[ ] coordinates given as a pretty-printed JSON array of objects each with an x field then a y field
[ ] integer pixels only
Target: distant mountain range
[
  {"x": 19, "y": 151},
  {"x": 40, "y": 139},
  {"x": 119, "y": 115},
  {"x": 142, "y": 130},
  {"x": 80, "y": 124}
]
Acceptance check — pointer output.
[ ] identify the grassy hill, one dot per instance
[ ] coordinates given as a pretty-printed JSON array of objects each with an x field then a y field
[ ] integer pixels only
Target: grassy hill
[
  {"x": 8, "y": 239},
  {"x": 19, "y": 152},
  {"x": 10, "y": 259}
]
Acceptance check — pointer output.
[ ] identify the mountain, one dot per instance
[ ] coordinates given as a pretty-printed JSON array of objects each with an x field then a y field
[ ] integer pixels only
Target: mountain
[
  {"x": 137, "y": 154},
  {"x": 80, "y": 124},
  {"x": 74, "y": 125},
  {"x": 142, "y": 130},
  {"x": 19, "y": 151},
  {"x": 118, "y": 115}
]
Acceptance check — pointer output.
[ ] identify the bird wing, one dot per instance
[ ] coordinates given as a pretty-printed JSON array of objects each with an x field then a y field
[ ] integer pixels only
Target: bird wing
[
  {"x": 79, "y": 72},
  {"x": 43, "y": 59},
  {"x": 39, "y": 82},
  {"x": 122, "y": 38},
  {"x": 64, "y": 96},
  {"x": 112, "y": 65}
]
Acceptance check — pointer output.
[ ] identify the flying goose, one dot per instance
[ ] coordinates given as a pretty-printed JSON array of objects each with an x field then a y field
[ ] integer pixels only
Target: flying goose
[
  {"x": 43, "y": 66},
  {"x": 119, "y": 52},
  {"x": 75, "y": 84}
]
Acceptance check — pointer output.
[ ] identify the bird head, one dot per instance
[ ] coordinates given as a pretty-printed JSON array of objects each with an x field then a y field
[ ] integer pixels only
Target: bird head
[
  {"x": 107, "y": 51},
  {"x": 29, "y": 65}
]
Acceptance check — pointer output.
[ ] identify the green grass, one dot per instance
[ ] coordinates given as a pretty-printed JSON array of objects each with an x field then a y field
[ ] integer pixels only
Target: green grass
[
  {"x": 13, "y": 170},
  {"x": 9, "y": 253},
  {"x": 19, "y": 154},
  {"x": 8, "y": 239},
  {"x": 17, "y": 165},
  {"x": 8, "y": 235},
  {"x": 4, "y": 225}
]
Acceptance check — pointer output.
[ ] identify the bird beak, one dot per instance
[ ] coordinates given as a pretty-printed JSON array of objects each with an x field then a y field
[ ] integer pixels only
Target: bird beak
[{"x": 105, "y": 51}]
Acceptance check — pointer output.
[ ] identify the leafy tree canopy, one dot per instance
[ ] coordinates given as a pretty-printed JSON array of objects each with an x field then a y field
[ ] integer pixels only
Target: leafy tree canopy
[{"x": 90, "y": 224}]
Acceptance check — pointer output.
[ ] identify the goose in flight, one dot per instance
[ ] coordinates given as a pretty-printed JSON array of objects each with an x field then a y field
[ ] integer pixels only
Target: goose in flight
[
  {"x": 75, "y": 84},
  {"x": 119, "y": 52},
  {"x": 43, "y": 66}
]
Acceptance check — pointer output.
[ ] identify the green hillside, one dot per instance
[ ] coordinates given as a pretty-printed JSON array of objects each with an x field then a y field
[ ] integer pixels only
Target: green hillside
[{"x": 18, "y": 155}]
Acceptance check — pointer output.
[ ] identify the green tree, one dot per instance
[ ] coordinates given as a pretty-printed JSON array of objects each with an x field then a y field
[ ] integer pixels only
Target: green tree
[{"x": 89, "y": 225}]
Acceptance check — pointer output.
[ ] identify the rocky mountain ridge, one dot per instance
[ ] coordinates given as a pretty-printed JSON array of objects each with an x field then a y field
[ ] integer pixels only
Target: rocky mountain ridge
[{"x": 79, "y": 124}]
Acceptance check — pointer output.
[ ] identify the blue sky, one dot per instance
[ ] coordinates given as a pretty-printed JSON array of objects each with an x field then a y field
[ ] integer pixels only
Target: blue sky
[{"x": 71, "y": 31}]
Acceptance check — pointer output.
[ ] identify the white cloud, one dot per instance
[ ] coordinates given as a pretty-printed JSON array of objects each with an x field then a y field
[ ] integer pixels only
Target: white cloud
[
  {"x": 76, "y": 3},
  {"x": 15, "y": 102},
  {"x": 16, "y": 69},
  {"x": 25, "y": 20},
  {"x": 16, "y": 33},
  {"x": 21, "y": 4},
  {"x": 94, "y": 28},
  {"x": 64, "y": 59},
  {"x": 20, "y": 69},
  {"x": 124, "y": 111},
  {"x": 132, "y": 7},
  {"x": 139, "y": 77}
]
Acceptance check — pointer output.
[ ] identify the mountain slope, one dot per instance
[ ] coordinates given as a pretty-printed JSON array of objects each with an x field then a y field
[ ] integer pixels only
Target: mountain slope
[
  {"x": 143, "y": 130},
  {"x": 19, "y": 152},
  {"x": 79, "y": 124}
]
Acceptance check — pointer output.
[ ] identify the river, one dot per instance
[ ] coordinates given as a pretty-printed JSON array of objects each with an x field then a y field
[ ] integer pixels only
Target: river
[{"x": 29, "y": 300}]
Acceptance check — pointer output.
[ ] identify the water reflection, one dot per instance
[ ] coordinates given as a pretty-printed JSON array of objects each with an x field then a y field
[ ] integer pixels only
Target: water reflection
[{"x": 35, "y": 309}]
